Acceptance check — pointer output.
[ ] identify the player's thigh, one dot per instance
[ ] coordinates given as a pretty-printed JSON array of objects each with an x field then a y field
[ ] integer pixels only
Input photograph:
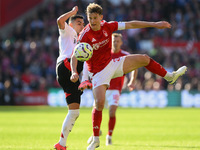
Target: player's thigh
[
  {"x": 135, "y": 61},
  {"x": 72, "y": 93}
]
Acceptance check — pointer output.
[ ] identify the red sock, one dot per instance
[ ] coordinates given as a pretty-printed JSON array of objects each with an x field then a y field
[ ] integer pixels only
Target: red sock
[
  {"x": 156, "y": 68},
  {"x": 111, "y": 125},
  {"x": 96, "y": 121}
]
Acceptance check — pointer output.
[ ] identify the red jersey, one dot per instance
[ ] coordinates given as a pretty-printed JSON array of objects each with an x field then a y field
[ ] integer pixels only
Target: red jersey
[
  {"x": 117, "y": 83},
  {"x": 101, "y": 41}
]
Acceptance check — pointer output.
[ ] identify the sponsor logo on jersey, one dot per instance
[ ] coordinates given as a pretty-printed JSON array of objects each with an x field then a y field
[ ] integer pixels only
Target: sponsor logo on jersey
[{"x": 96, "y": 46}]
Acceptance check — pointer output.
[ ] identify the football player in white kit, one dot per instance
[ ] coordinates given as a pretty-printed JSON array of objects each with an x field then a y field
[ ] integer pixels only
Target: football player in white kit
[{"x": 67, "y": 40}]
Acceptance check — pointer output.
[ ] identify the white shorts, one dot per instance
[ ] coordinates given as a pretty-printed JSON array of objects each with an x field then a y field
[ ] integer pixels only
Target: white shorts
[
  {"x": 112, "y": 97},
  {"x": 112, "y": 70}
]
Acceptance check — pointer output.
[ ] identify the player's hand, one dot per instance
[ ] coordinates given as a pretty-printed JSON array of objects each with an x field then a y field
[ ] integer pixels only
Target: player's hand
[
  {"x": 75, "y": 9},
  {"x": 162, "y": 25},
  {"x": 131, "y": 87},
  {"x": 74, "y": 77}
]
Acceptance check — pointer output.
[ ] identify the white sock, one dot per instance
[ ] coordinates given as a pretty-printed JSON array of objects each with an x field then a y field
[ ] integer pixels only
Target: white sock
[
  {"x": 96, "y": 138},
  {"x": 168, "y": 76},
  {"x": 68, "y": 125},
  {"x": 108, "y": 137}
]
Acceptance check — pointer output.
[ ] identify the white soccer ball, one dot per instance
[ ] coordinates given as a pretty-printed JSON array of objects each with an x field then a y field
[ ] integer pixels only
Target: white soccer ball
[{"x": 83, "y": 51}]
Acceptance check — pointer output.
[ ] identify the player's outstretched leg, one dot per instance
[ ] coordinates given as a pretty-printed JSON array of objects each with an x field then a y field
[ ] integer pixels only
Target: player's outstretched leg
[
  {"x": 156, "y": 68},
  {"x": 135, "y": 61}
]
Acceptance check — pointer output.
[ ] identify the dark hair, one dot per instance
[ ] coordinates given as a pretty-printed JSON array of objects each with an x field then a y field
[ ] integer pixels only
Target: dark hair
[
  {"x": 94, "y": 8},
  {"x": 74, "y": 17}
]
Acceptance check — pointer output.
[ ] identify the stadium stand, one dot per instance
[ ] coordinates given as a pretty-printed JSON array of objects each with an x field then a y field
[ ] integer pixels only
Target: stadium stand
[{"x": 29, "y": 50}]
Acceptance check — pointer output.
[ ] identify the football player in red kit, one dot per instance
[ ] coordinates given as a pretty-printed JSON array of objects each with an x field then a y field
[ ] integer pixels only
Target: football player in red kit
[{"x": 102, "y": 68}]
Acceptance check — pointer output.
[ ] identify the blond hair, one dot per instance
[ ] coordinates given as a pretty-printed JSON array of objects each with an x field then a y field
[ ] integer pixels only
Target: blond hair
[{"x": 94, "y": 8}]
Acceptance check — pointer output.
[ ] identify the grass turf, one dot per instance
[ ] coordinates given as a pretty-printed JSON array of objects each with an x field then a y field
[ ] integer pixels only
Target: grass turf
[{"x": 38, "y": 128}]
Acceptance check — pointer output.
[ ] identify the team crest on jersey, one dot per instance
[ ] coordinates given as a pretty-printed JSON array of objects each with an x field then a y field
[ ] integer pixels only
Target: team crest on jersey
[{"x": 105, "y": 33}]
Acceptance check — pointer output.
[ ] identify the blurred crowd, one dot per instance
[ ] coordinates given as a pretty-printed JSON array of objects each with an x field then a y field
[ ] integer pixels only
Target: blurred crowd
[{"x": 29, "y": 51}]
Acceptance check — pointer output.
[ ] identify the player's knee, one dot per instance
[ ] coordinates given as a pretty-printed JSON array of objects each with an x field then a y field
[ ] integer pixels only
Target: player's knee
[{"x": 99, "y": 106}]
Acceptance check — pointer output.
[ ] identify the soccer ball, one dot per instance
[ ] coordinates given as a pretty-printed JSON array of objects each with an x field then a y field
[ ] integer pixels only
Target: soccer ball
[{"x": 83, "y": 51}]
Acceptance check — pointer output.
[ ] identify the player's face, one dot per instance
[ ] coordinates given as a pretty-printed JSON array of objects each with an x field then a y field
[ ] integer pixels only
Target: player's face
[
  {"x": 95, "y": 21},
  {"x": 78, "y": 25},
  {"x": 116, "y": 44}
]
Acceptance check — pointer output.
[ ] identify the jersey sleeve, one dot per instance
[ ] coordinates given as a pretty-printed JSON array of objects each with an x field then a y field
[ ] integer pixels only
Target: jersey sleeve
[
  {"x": 63, "y": 32},
  {"x": 113, "y": 26}
]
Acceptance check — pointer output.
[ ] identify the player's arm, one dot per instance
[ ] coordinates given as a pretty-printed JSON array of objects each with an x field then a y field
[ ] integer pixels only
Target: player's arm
[
  {"x": 85, "y": 75},
  {"x": 144, "y": 24},
  {"x": 74, "y": 77},
  {"x": 61, "y": 20},
  {"x": 131, "y": 83}
]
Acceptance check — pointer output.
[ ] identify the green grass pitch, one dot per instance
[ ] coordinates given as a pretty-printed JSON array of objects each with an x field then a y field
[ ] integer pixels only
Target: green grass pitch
[{"x": 38, "y": 128}]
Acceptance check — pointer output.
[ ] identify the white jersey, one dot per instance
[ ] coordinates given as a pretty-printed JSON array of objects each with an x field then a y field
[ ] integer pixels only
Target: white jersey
[{"x": 67, "y": 41}]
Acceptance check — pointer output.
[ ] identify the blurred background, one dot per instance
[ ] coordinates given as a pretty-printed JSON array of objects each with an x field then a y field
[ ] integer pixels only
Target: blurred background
[{"x": 29, "y": 49}]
